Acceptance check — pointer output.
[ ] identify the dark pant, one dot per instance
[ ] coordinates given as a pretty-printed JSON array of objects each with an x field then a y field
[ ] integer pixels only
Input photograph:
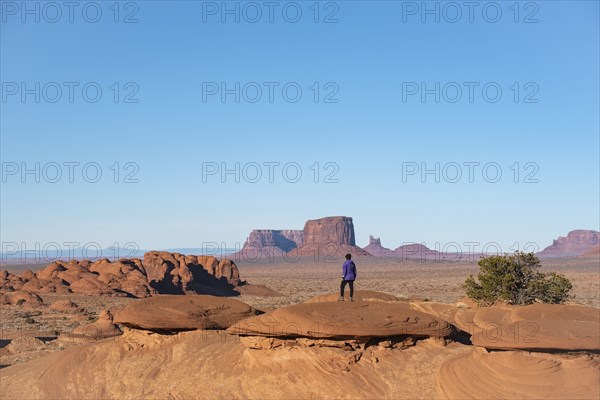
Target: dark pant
[{"x": 343, "y": 286}]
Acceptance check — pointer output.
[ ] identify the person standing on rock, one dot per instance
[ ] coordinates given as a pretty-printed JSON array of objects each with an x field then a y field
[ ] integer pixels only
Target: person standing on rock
[{"x": 348, "y": 277}]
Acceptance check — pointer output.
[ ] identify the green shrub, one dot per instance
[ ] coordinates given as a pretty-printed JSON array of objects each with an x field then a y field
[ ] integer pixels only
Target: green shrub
[
  {"x": 20, "y": 302},
  {"x": 515, "y": 279}
]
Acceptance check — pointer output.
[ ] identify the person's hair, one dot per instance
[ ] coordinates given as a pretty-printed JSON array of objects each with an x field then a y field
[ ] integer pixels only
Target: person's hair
[{"x": 348, "y": 256}]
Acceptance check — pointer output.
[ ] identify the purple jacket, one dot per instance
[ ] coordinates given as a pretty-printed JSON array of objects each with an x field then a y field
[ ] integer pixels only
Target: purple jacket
[{"x": 349, "y": 270}]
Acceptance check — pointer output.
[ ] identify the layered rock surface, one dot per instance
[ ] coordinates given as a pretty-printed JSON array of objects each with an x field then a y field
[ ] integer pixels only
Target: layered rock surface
[
  {"x": 343, "y": 320},
  {"x": 518, "y": 375},
  {"x": 207, "y": 364}
]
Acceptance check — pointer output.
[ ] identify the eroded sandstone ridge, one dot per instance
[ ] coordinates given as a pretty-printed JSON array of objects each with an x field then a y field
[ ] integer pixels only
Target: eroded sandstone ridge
[{"x": 159, "y": 272}]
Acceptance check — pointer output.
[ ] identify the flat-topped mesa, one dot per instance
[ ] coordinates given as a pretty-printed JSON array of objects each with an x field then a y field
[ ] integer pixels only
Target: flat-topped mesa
[
  {"x": 375, "y": 248},
  {"x": 335, "y": 230},
  {"x": 576, "y": 243},
  {"x": 285, "y": 240},
  {"x": 329, "y": 237},
  {"x": 270, "y": 242}
]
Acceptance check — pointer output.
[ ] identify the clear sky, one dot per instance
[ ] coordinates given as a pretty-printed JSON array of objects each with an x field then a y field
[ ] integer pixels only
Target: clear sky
[{"x": 162, "y": 118}]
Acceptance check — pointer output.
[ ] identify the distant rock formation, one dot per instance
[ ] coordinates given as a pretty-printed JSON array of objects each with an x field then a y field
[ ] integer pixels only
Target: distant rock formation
[
  {"x": 159, "y": 272},
  {"x": 323, "y": 238},
  {"x": 329, "y": 237},
  {"x": 410, "y": 251},
  {"x": 576, "y": 243},
  {"x": 336, "y": 230},
  {"x": 270, "y": 242},
  {"x": 420, "y": 251},
  {"x": 375, "y": 248}
]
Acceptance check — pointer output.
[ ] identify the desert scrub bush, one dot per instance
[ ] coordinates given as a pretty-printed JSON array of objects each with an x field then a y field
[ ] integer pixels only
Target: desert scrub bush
[
  {"x": 20, "y": 302},
  {"x": 516, "y": 279}
]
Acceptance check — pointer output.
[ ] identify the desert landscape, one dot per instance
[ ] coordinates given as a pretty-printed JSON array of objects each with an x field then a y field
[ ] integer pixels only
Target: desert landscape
[
  {"x": 293, "y": 200},
  {"x": 271, "y": 326}
]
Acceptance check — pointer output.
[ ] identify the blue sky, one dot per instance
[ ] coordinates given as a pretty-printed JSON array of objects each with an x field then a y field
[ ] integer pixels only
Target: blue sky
[{"x": 370, "y": 58}]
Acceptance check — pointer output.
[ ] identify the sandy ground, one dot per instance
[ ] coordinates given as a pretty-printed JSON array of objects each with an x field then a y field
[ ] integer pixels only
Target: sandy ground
[{"x": 435, "y": 281}]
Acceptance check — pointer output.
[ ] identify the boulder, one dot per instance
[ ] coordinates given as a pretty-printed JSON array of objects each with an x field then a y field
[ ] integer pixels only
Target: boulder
[
  {"x": 21, "y": 297},
  {"x": 92, "y": 287},
  {"x": 180, "y": 313},
  {"x": 102, "y": 328},
  {"x": 25, "y": 344},
  {"x": 65, "y": 306}
]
